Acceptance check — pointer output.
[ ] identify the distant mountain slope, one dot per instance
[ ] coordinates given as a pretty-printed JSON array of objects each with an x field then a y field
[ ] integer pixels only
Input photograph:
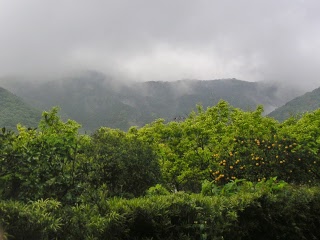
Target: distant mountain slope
[
  {"x": 14, "y": 110},
  {"x": 173, "y": 99},
  {"x": 308, "y": 102},
  {"x": 95, "y": 100},
  {"x": 89, "y": 98}
]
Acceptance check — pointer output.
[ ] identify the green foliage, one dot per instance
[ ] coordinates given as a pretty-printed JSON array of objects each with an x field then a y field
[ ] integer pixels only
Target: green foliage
[
  {"x": 157, "y": 190},
  {"x": 281, "y": 216},
  {"x": 93, "y": 222},
  {"x": 125, "y": 163},
  {"x": 35, "y": 220},
  {"x": 223, "y": 143},
  {"x": 241, "y": 185},
  {"x": 54, "y": 161},
  {"x": 251, "y": 170},
  {"x": 40, "y": 163},
  {"x": 297, "y": 107},
  {"x": 268, "y": 210},
  {"x": 306, "y": 131},
  {"x": 209, "y": 188},
  {"x": 13, "y": 110},
  {"x": 256, "y": 159},
  {"x": 95, "y": 100}
]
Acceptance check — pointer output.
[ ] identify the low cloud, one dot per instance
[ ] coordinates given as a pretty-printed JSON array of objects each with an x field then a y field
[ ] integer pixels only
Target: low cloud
[{"x": 276, "y": 41}]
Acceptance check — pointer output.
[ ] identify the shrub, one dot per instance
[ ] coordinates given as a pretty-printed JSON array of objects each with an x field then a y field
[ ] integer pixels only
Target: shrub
[
  {"x": 157, "y": 190},
  {"x": 36, "y": 220}
]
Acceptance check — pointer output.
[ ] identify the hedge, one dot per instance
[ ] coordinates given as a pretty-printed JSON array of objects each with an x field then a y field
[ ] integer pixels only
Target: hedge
[{"x": 291, "y": 213}]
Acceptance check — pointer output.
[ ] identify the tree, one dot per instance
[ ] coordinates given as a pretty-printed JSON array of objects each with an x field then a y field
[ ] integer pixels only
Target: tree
[
  {"x": 126, "y": 164},
  {"x": 41, "y": 163}
]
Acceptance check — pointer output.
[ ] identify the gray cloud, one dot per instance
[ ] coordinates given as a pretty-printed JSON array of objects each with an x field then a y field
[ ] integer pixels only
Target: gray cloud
[{"x": 163, "y": 40}]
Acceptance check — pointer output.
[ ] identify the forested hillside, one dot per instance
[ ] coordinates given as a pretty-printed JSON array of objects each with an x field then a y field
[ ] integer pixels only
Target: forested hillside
[
  {"x": 221, "y": 173},
  {"x": 296, "y": 107},
  {"x": 96, "y": 100},
  {"x": 14, "y": 110}
]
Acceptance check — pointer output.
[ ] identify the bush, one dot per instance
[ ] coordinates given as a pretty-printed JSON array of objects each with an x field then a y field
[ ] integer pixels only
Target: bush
[
  {"x": 157, "y": 190},
  {"x": 267, "y": 210},
  {"x": 36, "y": 220}
]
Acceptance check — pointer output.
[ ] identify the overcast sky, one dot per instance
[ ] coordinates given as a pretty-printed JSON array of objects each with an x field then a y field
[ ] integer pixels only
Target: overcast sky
[{"x": 271, "y": 40}]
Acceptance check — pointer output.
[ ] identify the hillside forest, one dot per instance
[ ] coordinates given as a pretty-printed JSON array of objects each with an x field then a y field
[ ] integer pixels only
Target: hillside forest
[
  {"x": 219, "y": 173},
  {"x": 94, "y": 99}
]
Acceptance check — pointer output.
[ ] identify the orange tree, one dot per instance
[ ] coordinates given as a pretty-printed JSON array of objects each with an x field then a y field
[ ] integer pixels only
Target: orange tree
[
  {"x": 307, "y": 132},
  {"x": 257, "y": 159},
  {"x": 185, "y": 148},
  {"x": 263, "y": 148},
  {"x": 234, "y": 144}
]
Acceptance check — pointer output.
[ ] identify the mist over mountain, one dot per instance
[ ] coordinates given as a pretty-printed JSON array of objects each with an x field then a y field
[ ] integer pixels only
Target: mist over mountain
[
  {"x": 139, "y": 49},
  {"x": 308, "y": 102},
  {"x": 270, "y": 41},
  {"x": 94, "y": 99}
]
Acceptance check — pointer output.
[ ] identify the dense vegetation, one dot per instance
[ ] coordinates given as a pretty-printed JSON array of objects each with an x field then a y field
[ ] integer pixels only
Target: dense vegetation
[
  {"x": 95, "y": 100},
  {"x": 221, "y": 173},
  {"x": 296, "y": 107},
  {"x": 14, "y": 110}
]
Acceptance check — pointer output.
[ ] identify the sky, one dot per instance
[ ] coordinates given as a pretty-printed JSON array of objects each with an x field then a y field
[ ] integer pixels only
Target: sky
[{"x": 146, "y": 40}]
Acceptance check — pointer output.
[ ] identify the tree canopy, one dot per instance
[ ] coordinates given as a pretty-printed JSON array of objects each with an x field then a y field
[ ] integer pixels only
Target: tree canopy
[{"x": 113, "y": 183}]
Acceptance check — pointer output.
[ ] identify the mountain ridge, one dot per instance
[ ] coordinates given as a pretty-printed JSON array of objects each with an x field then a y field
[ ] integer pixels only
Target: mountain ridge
[
  {"x": 14, "y": 110},
  {"x": 96, "y": 100},
  {"x": 309, "y": 101}
]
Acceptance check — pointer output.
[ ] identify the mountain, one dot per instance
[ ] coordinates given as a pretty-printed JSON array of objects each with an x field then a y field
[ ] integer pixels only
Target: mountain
[
  {"x": 96, "y": 100},
  {"x": 90, "y": 98},
  {"x": 308, "y": 102},
  {"x": 14, "y": 110},
  {"x": 176, "y": 99}
]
